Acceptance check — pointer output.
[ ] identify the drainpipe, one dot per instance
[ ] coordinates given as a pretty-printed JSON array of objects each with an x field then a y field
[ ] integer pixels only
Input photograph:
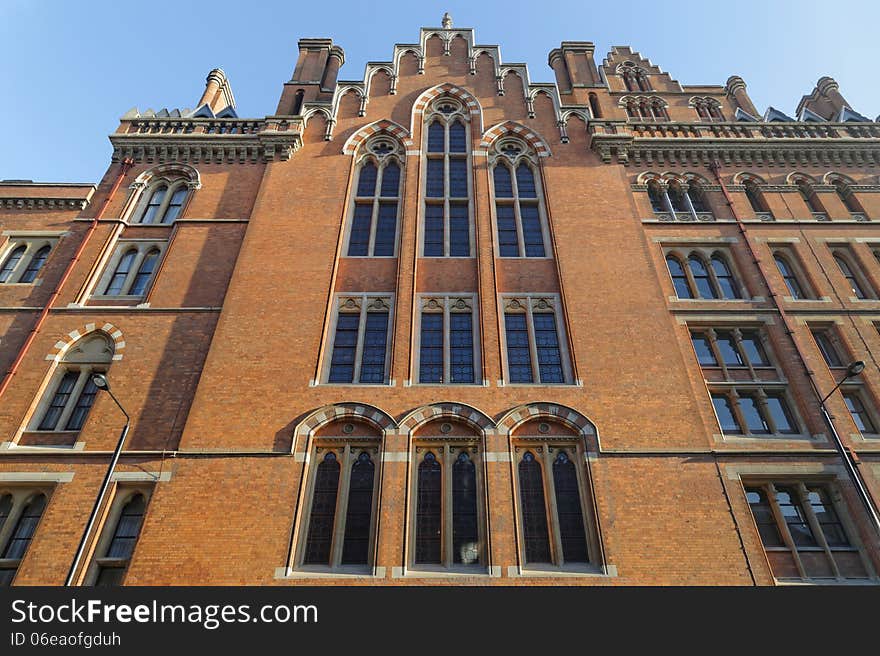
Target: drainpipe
[
  {"x": 845, "y": 454},
  {"x": 127, "y": 163}
]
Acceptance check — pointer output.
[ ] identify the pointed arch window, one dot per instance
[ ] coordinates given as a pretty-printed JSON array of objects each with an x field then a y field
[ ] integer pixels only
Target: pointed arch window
[
  {"x": 119, "y": 537},
  {"x": 339, "y": 517},
  {"x": 23, "y": 258},
  {"x": 20, "y": 514},
  {"x": 519, "y": 211},
  {"x": 374, "y": 222},
  {"x": 131, "y": 269},
  {"x": 555, "y": 512},
  {"x": 448, "y": 507},
  {"x": 71, "y": 394},
  {"x": 447, "y": 229},
  {"x": 163, "y": 202}
]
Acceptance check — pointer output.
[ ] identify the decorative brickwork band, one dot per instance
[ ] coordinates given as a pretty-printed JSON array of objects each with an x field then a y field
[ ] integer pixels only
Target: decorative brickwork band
[
  {"x": 465, "y": 413},
  {"x": 535, "y": 140},
  {"x": 448, "y": 89},
  {"x": 360, "y": 411},
  {"x": 388, "y": 127},
  {"x": 553, "y": 412},
  {"x": 61, "y": 346}
]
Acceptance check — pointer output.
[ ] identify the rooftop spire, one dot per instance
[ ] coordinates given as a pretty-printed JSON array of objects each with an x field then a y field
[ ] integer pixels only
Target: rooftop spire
[{"x": 447, "y": 21}]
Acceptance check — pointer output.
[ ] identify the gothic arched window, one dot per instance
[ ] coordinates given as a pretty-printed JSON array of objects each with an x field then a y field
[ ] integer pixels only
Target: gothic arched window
[
  {"x": 374, "y": 220},
  {"x": 519, "y": 210},
  {"x": 163, "y": 202}
]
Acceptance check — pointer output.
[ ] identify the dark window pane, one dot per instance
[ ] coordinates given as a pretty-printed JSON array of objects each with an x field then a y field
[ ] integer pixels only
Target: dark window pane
[
  {"x": 359, "y": 241},
  {"x": 725, "y": 279},
  {"x": 676, "y": 196},
  {"x": 705, "y": 356},
  {"x": 436, "y": 138},
  {"x": 519, "y": 358},
  {"x": 850, "y": 277},
  {"x": 391, "y": 180},
  {"x": 727, "y": 348},
  {"x": 698, "y": 199},
  {"x": 174, "y": 205},
  {"x": 533, "y": 236},
  {"x": 25, "y": 528},
  {"x": 547, "y": 343},
  {"x": 127, "y": 528},
  {"x": 461, "y": 347},
  {"x": 753, "y": 349},
  {"x": 465, "y": 536},
  {"x": 431, "y": 351},
  {"x": 358, "y": 517},
  {"x": 457, "y": 138},
  {"x": 725, "y": 415},
  {"x": 433, "y": 231},
  {"x": 780, "y": 414},
  {"x": 679, "y": 278},
  {"x": 83, "y": 404},
  {"x": 109, "y": 576},
  {"x": 655, "y": 195},
  {"x": 375, "y": 343},
  {"x": 428, "y": 511},
  {"x": 859, "y": 413},
  {"x": 59, "y": 401},
  {"x": 367, "y": 180},
  {"x": 34, "y": 266},
  {"x": 793, "y": 513},
  {"x": 508, "y": 243},
  {"x": 152, "y": 207},
  {"x": 755, "y": 421},
  {"x": 764, "y": 519},
  {"x": 459, "y": 230},
  {"x": 5, "y": 509},
  {"x": 525, "y": 182},
  {"x": 458, "y": 183},
  {"x": 145, "y": 272},
  {"x": 536, "y": 537},
  {"x": 7, "y": 574},
  {"x": 386, "y": 230},
  {"x": 826, "y": 346},
  {"x": 825, "y": 514},
  {"x": 754, "y": 196},
  {"x": 117, "y": 282},
  {"x": 344, "y": 348},
  {"x": 503, "y": 183},
  {"x": 791, "y": 281},
  {"x": 570, "y": 514},
  {"x": 320, "y": 536},
  {"x": 434, "y": 182},
  {"x": 701, "y": 278},
  {"x": 11, "y": 262}
]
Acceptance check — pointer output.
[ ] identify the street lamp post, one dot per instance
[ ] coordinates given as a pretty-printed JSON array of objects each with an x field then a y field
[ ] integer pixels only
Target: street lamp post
[
  {"x": 854, "y": 369},
  {"x": 100, "y": 381}
]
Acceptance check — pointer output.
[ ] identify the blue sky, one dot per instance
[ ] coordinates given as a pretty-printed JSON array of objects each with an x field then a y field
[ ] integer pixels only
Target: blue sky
[{"x": 69, "y": 70}]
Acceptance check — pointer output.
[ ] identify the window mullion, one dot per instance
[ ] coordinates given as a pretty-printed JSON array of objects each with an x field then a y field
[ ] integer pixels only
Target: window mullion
[
  {"x": 159, "y": 216},
  {"x": 687, "y": 200},
  {"x": 446, "y": 507},
  {"x": 374, "y": 216},
  {"x": 133, "y": 270},
  {"x": 23, "y": 262},
  {"x": 713, "y": 278},
  {"x": 359, "y": 349},
  {"x": 733, "y": 398},
  {"x": 667, "y": 200},
  {"x": 533, "y": 346},
  {"x": 804, "y": 498},
  {"x": 73, "y": 399},
  {"x": 341, "y": 508},
  {"x": 783, "y": 529},
  {"x": 517, "y": 214},
  {"x": 550, "y": 494},
  {"x": 689, "y": 274},
  {"x": 447, "y": 228}
]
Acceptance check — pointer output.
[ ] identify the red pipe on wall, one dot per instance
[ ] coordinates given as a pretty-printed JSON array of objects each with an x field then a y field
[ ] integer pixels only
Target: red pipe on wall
[{"x": 127, "y": 163}]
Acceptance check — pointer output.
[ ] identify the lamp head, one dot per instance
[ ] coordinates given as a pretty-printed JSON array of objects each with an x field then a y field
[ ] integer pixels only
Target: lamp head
[
  {"x": 855, "y": 368},
  {"x": 100, "y": 381}
]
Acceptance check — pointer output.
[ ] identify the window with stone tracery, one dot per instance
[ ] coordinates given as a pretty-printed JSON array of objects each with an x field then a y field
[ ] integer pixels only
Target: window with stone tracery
[
  {"x": 534, "y": 342},
  {"x": 448, "y": 349},
  {"x": 359, "y": 340},
  {"x": 373, "y": 226},
  {"x": 447, "y": 228}
]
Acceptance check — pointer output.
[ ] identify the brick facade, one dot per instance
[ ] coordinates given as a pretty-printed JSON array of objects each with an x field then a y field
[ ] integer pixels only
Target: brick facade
[{"x": 222, "y": 362}]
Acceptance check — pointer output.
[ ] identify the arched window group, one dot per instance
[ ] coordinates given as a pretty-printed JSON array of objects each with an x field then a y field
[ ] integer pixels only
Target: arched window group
[
  {"x": 447, "y": 223},
  {"x": 131, "y": 269},
  {"x": 447, "y": 506},
  {"x": 708, "y": 109},
  {"x": 679, "y": 197},
  {"x": 23, "y": 260},
  {"x": 374, "y": 221},
  {"x": 698, "y": 276},
  {"x": 645, "y": 109},
  {"x": 20, "y": 513},
  {"x": 634, "y": 77},
  {"x": 519, "y": 210},
  {"x": 162, "y": 202}
]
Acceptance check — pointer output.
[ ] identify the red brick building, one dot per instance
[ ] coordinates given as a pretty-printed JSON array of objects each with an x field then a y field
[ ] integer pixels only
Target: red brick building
[{"x": 447, "y": 325}]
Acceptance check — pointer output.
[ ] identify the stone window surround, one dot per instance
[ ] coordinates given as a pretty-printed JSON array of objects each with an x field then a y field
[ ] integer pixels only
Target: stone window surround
[
  {"x": 788, "y": 253},
  {"x": 33, "y": 241},
  {"x": 362, "y": 301},
  {"x": 842, "y": 249},
  {"x": 528, "y": 303},
  {"x": 380, "y": 162},
  {"x": 446, "y": 302},
  {"x": 122, "y": 246},
  {"x": 869, "y": 403},
  {"x": 463, "y": 115},
  {"x": 143, "y": 192},
  {"x": 682, "y": 251},
  {"x": 123, "y": 491},
  {"x": 23, "y": 489}
]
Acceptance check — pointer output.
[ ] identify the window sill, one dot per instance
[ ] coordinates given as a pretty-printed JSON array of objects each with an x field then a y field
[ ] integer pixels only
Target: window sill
[
  {"x": 799, "y": 582},
  {"x": 346, "y": 572},
  {"x": 45, "y": 439},
  {"x": 770, "y": 438},
  {"x": 503, "y": 383},
  {"x": 369, "y": 257},
  {"x": 439, "y": 572},
  {"x": 566, "y": 571},
  {"x": 312, "y": 383},
  {"x": 35, "y": 283},
  {"x": 118, "y": 297}
]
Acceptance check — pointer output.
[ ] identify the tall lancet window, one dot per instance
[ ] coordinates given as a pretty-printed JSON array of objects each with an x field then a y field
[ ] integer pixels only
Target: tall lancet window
[
  {"x": 519, "y": 209},
  {"x": 374, "y": 214},
  {"x": 447, "y": 230}
]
